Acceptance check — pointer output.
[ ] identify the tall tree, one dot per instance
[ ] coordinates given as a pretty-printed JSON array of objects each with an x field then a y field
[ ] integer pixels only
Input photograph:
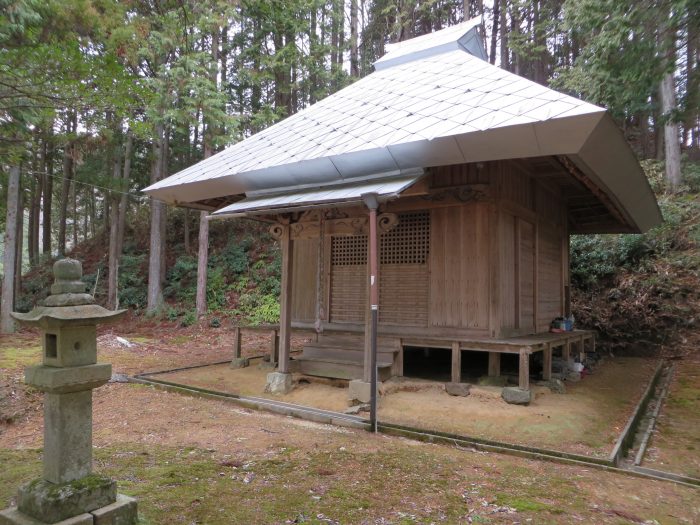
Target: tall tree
[{"x": 11, "y": 257}]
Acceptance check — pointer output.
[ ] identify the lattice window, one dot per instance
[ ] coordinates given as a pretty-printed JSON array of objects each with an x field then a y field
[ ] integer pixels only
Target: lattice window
[
  {"x": 409, "y": 241},
  {"x": 349, "y": 251}
]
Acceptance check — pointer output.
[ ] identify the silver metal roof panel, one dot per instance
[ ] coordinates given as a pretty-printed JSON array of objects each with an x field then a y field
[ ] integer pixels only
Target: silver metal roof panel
[
  {"x": 385, "y": 188},
  {"x": 444, "y": 109}
]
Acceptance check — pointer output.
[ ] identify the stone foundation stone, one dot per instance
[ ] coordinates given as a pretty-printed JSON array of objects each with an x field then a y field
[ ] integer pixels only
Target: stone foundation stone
[
  {"x": 121, "y": 512},
  {"x": 278, "y": 383},
  {"x": 493, "y": 381},
  {"x": 516, "y": 396},
  {"x": 359, "y": 391},
  {"x": 555, "y": 385},
  {"x": 239, "y": 362},
  {"x": 12, "y": 516},
  {"x": 51, "y": 503},
  {"x": 458, "y": 389}
]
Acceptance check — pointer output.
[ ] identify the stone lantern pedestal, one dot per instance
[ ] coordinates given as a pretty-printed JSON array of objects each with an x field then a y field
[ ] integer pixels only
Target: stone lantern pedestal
[{"x": 69, "y": 493}]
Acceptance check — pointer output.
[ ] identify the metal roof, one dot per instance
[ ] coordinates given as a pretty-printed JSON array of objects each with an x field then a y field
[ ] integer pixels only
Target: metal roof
[
  {"x": 442, "y": 109},
  {"x": 465, "y": 36},
  {"x": 386, "y": 188}
]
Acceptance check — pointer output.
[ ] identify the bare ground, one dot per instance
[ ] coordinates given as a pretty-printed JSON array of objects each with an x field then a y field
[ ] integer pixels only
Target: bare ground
[
  {"x": 192, "y": 460},
  {"x": 586, "y": 420}
]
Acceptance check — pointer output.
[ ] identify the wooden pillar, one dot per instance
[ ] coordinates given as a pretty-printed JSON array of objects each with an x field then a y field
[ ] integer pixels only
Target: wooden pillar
[
  {"x": 287, "y": 246},
  {"x": 524, "y": 369},
  {"x": 547, "y": 363},
  {"x": 566, "y": 351},
  {"x": 494, "y": 270},
  {"x": 274, "y": 348},
  {"x": 236, "y": 343},
  {"x": 494, "y": 364},
  {"x": 372, "y": 287},
  {"x": 581, "y": 351},
  {"x": 373, "y": 263},
  {"x": 456, "y": 363}
]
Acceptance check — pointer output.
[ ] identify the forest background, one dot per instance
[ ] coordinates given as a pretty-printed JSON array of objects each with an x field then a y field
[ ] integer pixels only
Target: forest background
[{"x": 100, "y": 98}]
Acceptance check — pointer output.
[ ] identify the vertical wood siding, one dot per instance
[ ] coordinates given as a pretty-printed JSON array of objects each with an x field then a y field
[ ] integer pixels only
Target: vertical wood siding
[
  {"x": 549, "y": 276},
  {"x": 459, "y": 272},
  {"x": 304, "y": 278},
  {"x": 527, "y": 275}
]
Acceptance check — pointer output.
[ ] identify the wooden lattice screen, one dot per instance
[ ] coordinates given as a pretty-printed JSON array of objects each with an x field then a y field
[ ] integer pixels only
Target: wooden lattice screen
[
  {"x": 403, "y": 274},
  {"x": 408, "y": 242}
]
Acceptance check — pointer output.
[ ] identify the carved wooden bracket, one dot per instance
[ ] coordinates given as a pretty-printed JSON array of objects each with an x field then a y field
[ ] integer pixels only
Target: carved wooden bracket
[
  {"x": 345, "y": 226},
  {"x": 276, "y": 230},
  {"x": 473, "y": 193},
  {"x": 387, "y": 222}
]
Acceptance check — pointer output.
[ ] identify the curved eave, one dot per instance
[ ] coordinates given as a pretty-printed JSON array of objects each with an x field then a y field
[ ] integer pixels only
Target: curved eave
[
  {"x": 610, "y": 163},
  {"x": 590, "y": 140},
  {"x": 560, "y": 136}
]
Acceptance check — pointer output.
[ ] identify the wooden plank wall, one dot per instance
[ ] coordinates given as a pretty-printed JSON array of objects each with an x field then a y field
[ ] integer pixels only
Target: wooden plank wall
[
  {"x": 527, "y": 275},
  {"x": 304, "y": 280},
  {"x": 403, "y": 294},
  {"x": 523, "y": 225},
  {"x": 532, "y": 241},
  {"x": 459, "y": 266}
]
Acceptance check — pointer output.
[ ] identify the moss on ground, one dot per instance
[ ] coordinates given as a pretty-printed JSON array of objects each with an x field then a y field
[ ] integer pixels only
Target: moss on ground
[
  {"x": 676, "y": 441},
  {"x": 405, "y": 485},
  {"x": 12, "y": 358}
]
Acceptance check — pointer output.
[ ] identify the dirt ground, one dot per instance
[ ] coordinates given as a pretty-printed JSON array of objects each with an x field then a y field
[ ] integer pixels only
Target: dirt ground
[
  {"x": 586, "y": 420},
  {"x": 675, "y": 444},
  {"x": 192, "y": 460}
]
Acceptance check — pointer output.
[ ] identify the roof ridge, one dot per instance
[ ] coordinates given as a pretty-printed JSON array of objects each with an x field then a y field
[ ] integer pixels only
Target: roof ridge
[{"x": 466, "y": 36}]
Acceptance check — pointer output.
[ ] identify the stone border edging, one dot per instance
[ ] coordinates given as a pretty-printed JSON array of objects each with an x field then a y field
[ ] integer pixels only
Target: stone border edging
[
  {"x": 258, "y": 403},
  {"x": 654, "y": 416},
  {"x": 626, "y": 438},
  {"x": 347, "y": 420},
  {"x": 678, "y": 478}
]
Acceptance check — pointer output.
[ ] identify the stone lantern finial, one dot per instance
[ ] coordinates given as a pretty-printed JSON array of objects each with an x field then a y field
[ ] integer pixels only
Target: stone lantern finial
[{"x": 69, "y": 493}]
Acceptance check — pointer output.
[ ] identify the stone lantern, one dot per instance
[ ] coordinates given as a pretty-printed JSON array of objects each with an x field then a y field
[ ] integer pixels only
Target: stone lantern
[{"x": 69, "y": 493}]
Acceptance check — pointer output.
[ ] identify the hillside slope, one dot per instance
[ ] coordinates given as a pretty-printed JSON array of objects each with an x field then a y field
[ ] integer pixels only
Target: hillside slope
[{"x": 642, "y": 292}]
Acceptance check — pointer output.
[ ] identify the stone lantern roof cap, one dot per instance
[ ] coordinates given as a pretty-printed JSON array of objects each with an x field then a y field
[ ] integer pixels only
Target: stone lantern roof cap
[{"x": 68, "y": 303}]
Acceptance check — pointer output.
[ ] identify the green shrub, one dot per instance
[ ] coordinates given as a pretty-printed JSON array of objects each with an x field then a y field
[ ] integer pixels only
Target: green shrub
[
  {"x": 241, "y": 284},
  {"x": 215, "y": 322},
  {"x": 258, "y": 308},
  {"x": 171, "y": 314},
  {"x": 691, "y": 176},
  {"x": 233, "y": 258},
  {"x": 132, "y": 281},
  {"x": 216, "y": 288},
  {"x": 188, "y": 319},
  {"x": 181, "y": 280}
]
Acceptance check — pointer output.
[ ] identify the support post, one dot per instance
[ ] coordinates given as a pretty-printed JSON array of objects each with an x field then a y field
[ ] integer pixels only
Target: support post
[
  {"x": 566, "y": 351},
  {"x": 547, "y": 363},
  {"x": 274, "y": 349},
  {"x": 237, "y": 361},
  {"x": 237, "y": 343},
  {"x": 287, "y": 245},
  {"x": 373, "y": 254},
  {"x": 524, "y": 369},
  {"x": 456, "y": 362},
  {"x": 494, "y": 364}
]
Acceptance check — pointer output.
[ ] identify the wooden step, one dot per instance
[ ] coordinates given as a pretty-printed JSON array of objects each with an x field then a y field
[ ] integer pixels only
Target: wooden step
[
  {"x": 337, "y": 352},
  {"x": 339, "y": 368}
]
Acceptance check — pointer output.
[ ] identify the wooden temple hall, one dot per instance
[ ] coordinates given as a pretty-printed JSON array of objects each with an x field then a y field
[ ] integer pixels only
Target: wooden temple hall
[{"x": 437, "y": 193}]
